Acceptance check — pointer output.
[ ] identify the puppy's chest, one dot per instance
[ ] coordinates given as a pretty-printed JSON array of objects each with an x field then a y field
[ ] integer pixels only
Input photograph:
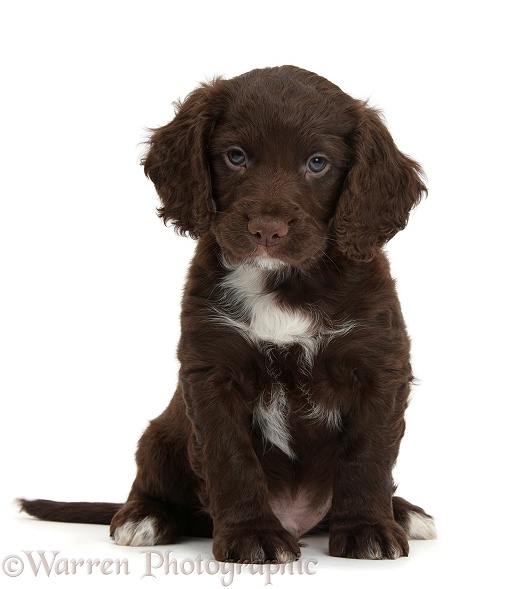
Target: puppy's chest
[
  {"x": 288, "y": 340},
  {"x": 291, "y": 405}
]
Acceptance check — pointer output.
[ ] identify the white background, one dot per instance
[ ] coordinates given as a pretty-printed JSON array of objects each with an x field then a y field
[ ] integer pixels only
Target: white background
[{"x": 91, "y": 279}]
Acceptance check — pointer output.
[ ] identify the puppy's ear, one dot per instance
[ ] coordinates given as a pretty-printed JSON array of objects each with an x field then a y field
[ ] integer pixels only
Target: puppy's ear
[
  {"x": 177, "y": 162},
  {"x": 381, "y": 188}
]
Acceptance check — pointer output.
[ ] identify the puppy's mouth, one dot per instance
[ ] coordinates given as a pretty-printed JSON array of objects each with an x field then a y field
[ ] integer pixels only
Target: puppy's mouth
[
  {"x": 257, "y": 256},
  {"x": 270, "y": 258},
  {"x": 265, "y": 256}
]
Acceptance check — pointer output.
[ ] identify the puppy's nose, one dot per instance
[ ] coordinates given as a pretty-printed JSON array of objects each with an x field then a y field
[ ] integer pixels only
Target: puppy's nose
[{"x": 267, "y": 231}]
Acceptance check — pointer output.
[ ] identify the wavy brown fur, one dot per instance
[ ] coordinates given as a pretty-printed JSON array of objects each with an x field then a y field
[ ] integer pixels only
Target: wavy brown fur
[{"x": 295, "y": 370}]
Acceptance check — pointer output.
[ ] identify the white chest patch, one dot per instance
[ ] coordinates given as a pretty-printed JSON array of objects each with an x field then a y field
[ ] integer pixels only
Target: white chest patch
[
  {"x": 247, "y": 307},
  {"x": 258, "y": 314}
]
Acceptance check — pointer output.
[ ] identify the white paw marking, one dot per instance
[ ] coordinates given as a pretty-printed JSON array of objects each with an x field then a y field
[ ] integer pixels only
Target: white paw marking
[
  {"x": 374, "y": 552},
  {"x": 284, "y": 556},
  {"x": 420, "y": 527},
  {"x": 395, "y": 553},
  {"x": 258, "y": 555},
  {"x": 141, "y": 533}
]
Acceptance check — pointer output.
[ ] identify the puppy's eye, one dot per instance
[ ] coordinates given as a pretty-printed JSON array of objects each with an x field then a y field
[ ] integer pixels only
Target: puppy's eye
[
  {"x": 236, "y": 157},
  {"x": 317, "y": 164}
]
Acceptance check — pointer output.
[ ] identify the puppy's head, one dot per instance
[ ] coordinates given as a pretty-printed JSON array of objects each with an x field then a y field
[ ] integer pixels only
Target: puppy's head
[{"x": 281, "y": 166}]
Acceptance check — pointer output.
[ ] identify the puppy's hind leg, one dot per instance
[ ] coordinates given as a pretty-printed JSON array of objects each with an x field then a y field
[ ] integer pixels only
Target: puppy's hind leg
[
  {"x": 145, "y": 522},
  {"x": 417, "y": 524},
  {"x": 163, "y": 503}
]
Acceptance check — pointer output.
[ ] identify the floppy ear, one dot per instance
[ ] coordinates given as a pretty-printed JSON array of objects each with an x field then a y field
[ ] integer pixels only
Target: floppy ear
[
  {"x": 381, "y": 188},
  {"x": 177, "y": 164}
]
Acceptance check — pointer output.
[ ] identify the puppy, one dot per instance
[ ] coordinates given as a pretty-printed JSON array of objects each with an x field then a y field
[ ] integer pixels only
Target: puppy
[{"x": 294, "y": 355}]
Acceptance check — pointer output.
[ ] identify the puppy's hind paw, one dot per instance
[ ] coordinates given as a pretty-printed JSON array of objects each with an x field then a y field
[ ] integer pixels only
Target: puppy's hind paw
[
  {"x": 420, "y": 526},
  {"x": 140, "y": 533},
  {"x": 143, "y": 523}
]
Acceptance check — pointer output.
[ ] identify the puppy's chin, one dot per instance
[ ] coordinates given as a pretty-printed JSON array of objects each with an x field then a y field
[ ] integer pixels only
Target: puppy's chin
[
  {"x": 267, "y": 263},
  {"x": 262, "y": 262},
  {"x": 273, "y": 258}
]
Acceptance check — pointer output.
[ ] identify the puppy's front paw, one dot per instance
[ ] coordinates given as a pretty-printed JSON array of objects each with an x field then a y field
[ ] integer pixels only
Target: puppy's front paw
[
  {"x": 255, "y": 542},
  {"x": 368, "y": 541}
]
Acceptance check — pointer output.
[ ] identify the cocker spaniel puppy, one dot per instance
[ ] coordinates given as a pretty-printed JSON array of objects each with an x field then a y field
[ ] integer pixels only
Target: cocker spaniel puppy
[{"x": 294, "y": 355}]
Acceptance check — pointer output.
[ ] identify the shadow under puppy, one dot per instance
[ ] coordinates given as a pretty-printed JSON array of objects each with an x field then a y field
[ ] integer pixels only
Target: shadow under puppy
[{"x": 294, "y": 355}]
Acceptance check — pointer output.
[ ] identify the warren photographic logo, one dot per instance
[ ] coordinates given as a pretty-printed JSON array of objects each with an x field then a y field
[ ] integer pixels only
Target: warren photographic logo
[{"x": 154, "y": 563}]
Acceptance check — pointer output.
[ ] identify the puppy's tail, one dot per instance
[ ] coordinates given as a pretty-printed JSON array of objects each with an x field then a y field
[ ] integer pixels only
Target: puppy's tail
[{"x": 75, "y": 512}]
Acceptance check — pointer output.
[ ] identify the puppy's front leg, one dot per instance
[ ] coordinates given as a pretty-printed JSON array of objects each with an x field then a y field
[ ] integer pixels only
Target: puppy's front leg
[
  {"x": 362, "y": 524},
  {"x": 234, "y": 488}
]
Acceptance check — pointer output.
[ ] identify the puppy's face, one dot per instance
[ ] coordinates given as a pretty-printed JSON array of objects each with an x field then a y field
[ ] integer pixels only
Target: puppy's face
[
  {"x": 277, "y": 172},
  {"x": 280, "y": 165}
]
